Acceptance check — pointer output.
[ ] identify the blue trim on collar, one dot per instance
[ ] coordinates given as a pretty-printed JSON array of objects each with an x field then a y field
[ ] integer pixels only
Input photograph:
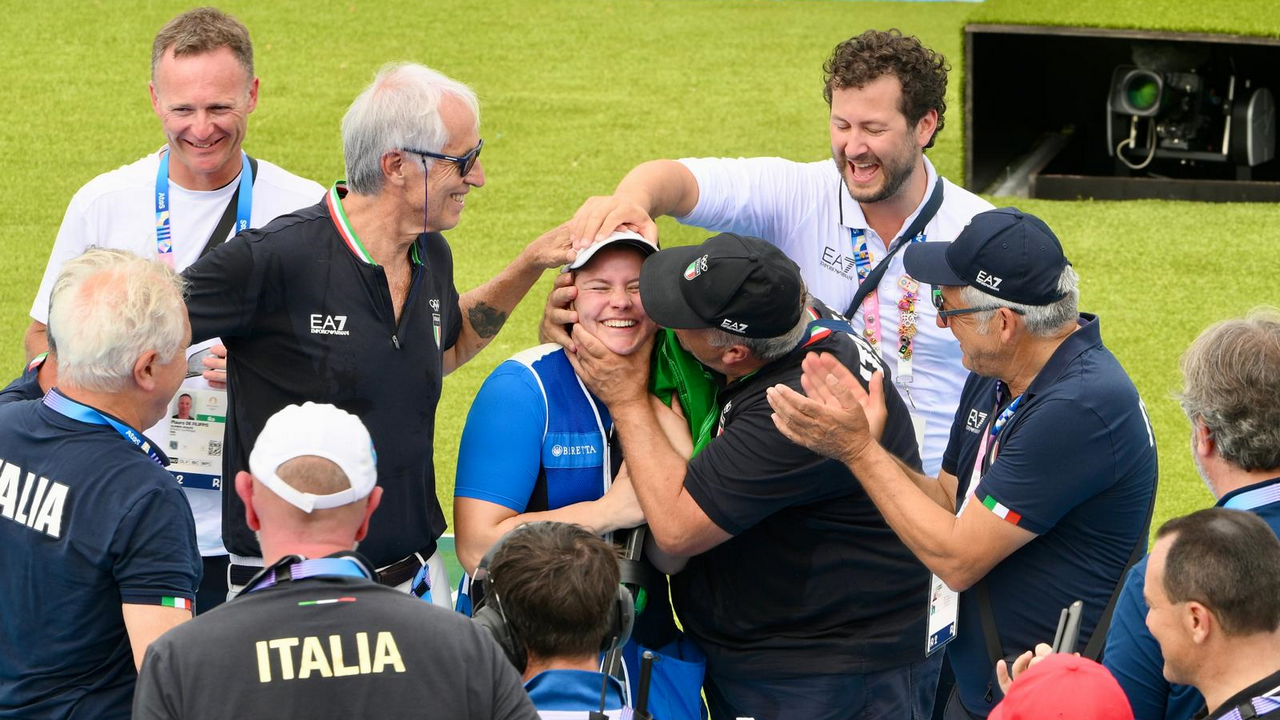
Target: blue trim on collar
[{"x": 571, "y": 690}]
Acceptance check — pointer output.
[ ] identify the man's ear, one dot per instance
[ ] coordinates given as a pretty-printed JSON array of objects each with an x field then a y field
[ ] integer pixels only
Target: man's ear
[
  {"x": 1199, "y": 621},
  {"x": 395, "y": 167},
  {"x": 374, "y": 499},
  {"x": 244, "y": 488},
  {"x": 1202, "y": 443},
  {"x": 144, "y": 370},
  {"x": 734, "y": 354},
  {"x": 926, "y": 127}
]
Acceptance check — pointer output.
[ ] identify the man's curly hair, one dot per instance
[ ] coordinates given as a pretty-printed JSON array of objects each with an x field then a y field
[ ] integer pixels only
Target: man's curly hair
[{"x": 866, "y": 57}]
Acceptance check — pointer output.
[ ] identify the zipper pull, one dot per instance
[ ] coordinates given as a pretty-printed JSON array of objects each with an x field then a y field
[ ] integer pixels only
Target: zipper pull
[{"x": 395, "y": 341}]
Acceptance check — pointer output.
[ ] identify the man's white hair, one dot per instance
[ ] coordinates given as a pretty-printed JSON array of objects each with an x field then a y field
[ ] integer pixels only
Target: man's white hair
[
  {"x": 399, "y": 110},
  {"x": 1041, "y": 320},
  {"x": 107, "y": 308}
]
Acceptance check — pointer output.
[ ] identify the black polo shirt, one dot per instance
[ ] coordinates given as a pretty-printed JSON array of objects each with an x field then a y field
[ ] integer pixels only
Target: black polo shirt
[
  {"x": 1076, "y": 465},
  {"x": 306, "y": 317},
  {"x": 813, "y": 582}
]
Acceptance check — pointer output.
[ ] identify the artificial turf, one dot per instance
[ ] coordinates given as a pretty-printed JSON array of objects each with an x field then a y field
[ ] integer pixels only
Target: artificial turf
[{"x": 576, "y": 93}]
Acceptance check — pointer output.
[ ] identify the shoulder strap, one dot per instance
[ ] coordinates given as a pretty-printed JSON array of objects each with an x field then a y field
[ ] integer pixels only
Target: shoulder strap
[
  {"x": 1097, "y": 641},
  {"x": 917, "y": 226},
  {"x": 219, "y": 234}
]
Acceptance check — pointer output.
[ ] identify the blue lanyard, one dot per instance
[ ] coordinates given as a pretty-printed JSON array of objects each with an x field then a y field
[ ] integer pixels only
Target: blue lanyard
[
  {"x": 301, "y": 570},
  {"x": 1001, "y": 420},
  {"x": 164, "y": 238},
  {"x": 64, "y": 405},
  {"x": 1255, "y": 498}
]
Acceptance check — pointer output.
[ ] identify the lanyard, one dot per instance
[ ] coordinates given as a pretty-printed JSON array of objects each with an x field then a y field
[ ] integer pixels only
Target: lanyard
[
  {"x": 907, "y": 312},
  {"x": 984, "y": 460},
  {"x": 64, "y": 405},
  {"x": 164, "y": 238},
  {"x": 1255, "y": 498},
  {"x": 302, "y": 569}
]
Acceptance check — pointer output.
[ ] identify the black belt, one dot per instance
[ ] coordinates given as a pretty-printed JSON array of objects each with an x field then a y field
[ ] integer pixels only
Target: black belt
[{"x": 397, "y": 573}]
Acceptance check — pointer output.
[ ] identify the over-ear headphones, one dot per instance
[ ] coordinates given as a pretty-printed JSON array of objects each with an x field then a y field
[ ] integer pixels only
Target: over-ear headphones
[{"x": 489, "y": 614}]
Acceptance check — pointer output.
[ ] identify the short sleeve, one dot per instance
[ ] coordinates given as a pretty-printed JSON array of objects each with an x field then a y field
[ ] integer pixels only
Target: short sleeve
[
  {"x": 761, "y": 197},
  {"x": 224, "y": 290},
  {"x": 1056, "y": 457},
  {"x": 154, "y": 555},
  {"x": 501, "y": 450},
  {"x": 752, "y": 471},
  {"x": 158, "y": 684},
  {"x": 73, "y": 239},
  {"x": 1132, "y": 654},
  {"x": 454, "y": 329}
]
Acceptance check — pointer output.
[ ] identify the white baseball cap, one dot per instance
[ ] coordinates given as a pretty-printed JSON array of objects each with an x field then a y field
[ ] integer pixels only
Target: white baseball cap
[
  {"x": 322, "y": 431},
  {"x": 627, "y": 237}
]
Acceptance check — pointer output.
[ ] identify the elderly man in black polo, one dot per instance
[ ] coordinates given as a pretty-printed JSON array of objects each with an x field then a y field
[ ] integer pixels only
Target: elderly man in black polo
[{"x": 1051, "y": 464}]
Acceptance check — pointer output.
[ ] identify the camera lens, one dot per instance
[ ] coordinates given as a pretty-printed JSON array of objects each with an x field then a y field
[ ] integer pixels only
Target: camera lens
[{"x": 1142, "y": 91}]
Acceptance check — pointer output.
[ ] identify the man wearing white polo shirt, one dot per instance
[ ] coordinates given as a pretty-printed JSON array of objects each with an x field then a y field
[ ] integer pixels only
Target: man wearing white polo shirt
[{"x": 838, "y": 219}]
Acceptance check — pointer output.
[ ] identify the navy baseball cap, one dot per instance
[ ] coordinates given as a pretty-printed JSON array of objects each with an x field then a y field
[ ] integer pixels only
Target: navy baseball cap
[
  {"x": 1003, "y": 252},
  {"x": 742, "y": 285}
]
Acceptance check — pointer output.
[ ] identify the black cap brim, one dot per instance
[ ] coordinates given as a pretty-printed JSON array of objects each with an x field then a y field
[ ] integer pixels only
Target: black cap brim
[
  {"x": 927, "y": 263},
  {"x": 660, "y": 279}
]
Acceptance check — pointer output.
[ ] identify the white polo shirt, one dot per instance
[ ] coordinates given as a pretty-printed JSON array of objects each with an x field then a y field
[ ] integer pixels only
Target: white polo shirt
[
  {"x": 805, "y": 210},
  {"x": 117, "y": 210}
]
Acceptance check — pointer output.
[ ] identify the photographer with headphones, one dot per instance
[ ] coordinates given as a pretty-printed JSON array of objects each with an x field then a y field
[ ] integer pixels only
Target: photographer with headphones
[
  {"x": 553, "y": 599},
  {"x": 314, "y": 634}
]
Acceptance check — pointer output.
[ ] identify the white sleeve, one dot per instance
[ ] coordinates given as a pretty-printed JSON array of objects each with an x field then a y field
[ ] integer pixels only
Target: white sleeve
[
  {"x": 763, "y": 197},
  {"x": 73, "y": 239}
]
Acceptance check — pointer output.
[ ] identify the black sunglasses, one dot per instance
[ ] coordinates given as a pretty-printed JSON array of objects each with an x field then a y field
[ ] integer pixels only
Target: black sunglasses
[
  {"x": 944, "y": 314},
  {"x": 465, "y": 163}
]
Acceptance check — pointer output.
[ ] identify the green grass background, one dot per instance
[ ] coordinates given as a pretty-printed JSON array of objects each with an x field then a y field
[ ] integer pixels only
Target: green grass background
[{"x": 576, "y": 93}]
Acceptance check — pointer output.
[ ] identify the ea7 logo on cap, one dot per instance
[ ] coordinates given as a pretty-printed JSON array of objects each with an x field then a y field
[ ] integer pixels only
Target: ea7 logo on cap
[
  {"x": 733, "y": 327},
  {"x": 696, "y": 268},
  {"x": 991, "y": 281}
]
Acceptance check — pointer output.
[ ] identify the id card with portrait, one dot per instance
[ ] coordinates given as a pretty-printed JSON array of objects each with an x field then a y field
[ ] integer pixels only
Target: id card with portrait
[
  {"x": 196, "y": 423},
  {"x": 944, "y": 612}
]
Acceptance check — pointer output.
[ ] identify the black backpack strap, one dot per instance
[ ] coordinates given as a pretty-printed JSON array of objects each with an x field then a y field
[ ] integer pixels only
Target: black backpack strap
[
  {"x": 917, "y": 226},
  {"x": 1097, "y": 641},
  {"x": 219, "y": 234},
  {"x": 990, "y": 634}
]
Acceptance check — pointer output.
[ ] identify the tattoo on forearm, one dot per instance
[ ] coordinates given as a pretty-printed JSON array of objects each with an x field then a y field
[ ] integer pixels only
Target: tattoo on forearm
[{"x": 485, "y": 319}]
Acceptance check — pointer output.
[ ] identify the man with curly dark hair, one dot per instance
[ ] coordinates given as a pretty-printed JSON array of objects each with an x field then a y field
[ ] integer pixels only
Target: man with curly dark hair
[{"x": 839, "y": 220}]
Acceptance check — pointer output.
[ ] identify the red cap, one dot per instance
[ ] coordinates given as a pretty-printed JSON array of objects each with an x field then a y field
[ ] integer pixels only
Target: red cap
[{"x": 1064, "y": 686}]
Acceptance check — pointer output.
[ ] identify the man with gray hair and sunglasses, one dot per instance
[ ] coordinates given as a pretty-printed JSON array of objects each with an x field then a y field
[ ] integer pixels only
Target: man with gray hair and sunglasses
[
  {"x": 1051, "y": 465},
  {"x": 96, "y": 539},
  {"x": 352, "y": 302}
]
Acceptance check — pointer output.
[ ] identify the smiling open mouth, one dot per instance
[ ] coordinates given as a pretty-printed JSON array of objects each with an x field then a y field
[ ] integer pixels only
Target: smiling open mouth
[
  {"x": 618, "y": 323},
  {"x": 863, "y": 172}
]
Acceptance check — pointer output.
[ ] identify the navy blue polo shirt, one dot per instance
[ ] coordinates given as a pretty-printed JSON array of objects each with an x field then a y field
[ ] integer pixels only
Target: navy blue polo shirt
[
  {"x": 27, "y": 385},
  {"x": 307, "y": 316},
  {"x": 1134, "y": 657},
  {"x": 87, "y": 522},
  {"x": 1076, "y": 466}
]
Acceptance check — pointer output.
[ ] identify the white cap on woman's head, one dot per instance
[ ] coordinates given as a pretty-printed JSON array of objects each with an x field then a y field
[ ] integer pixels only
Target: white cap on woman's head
[{"x": 626, "y": 237}]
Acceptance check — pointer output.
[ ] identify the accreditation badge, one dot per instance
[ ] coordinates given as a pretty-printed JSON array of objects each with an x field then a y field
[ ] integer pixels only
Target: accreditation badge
[
  {"x": 944, "y": 612},
  {"x": 197, "y": 419}
]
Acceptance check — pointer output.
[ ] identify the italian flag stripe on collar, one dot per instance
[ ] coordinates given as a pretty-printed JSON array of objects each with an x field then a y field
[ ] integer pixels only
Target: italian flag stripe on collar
[{"x": 343, "y": 225}]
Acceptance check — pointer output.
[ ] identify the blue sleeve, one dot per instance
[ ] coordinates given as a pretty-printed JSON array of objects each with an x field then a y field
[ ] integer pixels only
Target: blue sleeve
[
  {"x": 1058, "y": 456},
  {"x": 501, "y": 450},
  {"x": 154, "y": 552},
  {"x": 1132, "y": 654}
]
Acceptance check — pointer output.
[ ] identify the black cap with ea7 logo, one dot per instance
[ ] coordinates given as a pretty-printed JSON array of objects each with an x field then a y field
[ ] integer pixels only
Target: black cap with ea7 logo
[
  {"x": 742, "y": 285},
  {"x": 1004, "y": 252}
]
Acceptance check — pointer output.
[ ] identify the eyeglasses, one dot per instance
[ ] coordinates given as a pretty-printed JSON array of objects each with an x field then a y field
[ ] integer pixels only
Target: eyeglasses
[
  {"x": 944, "y": 314},
  {"x": 465, "y": 162}
]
